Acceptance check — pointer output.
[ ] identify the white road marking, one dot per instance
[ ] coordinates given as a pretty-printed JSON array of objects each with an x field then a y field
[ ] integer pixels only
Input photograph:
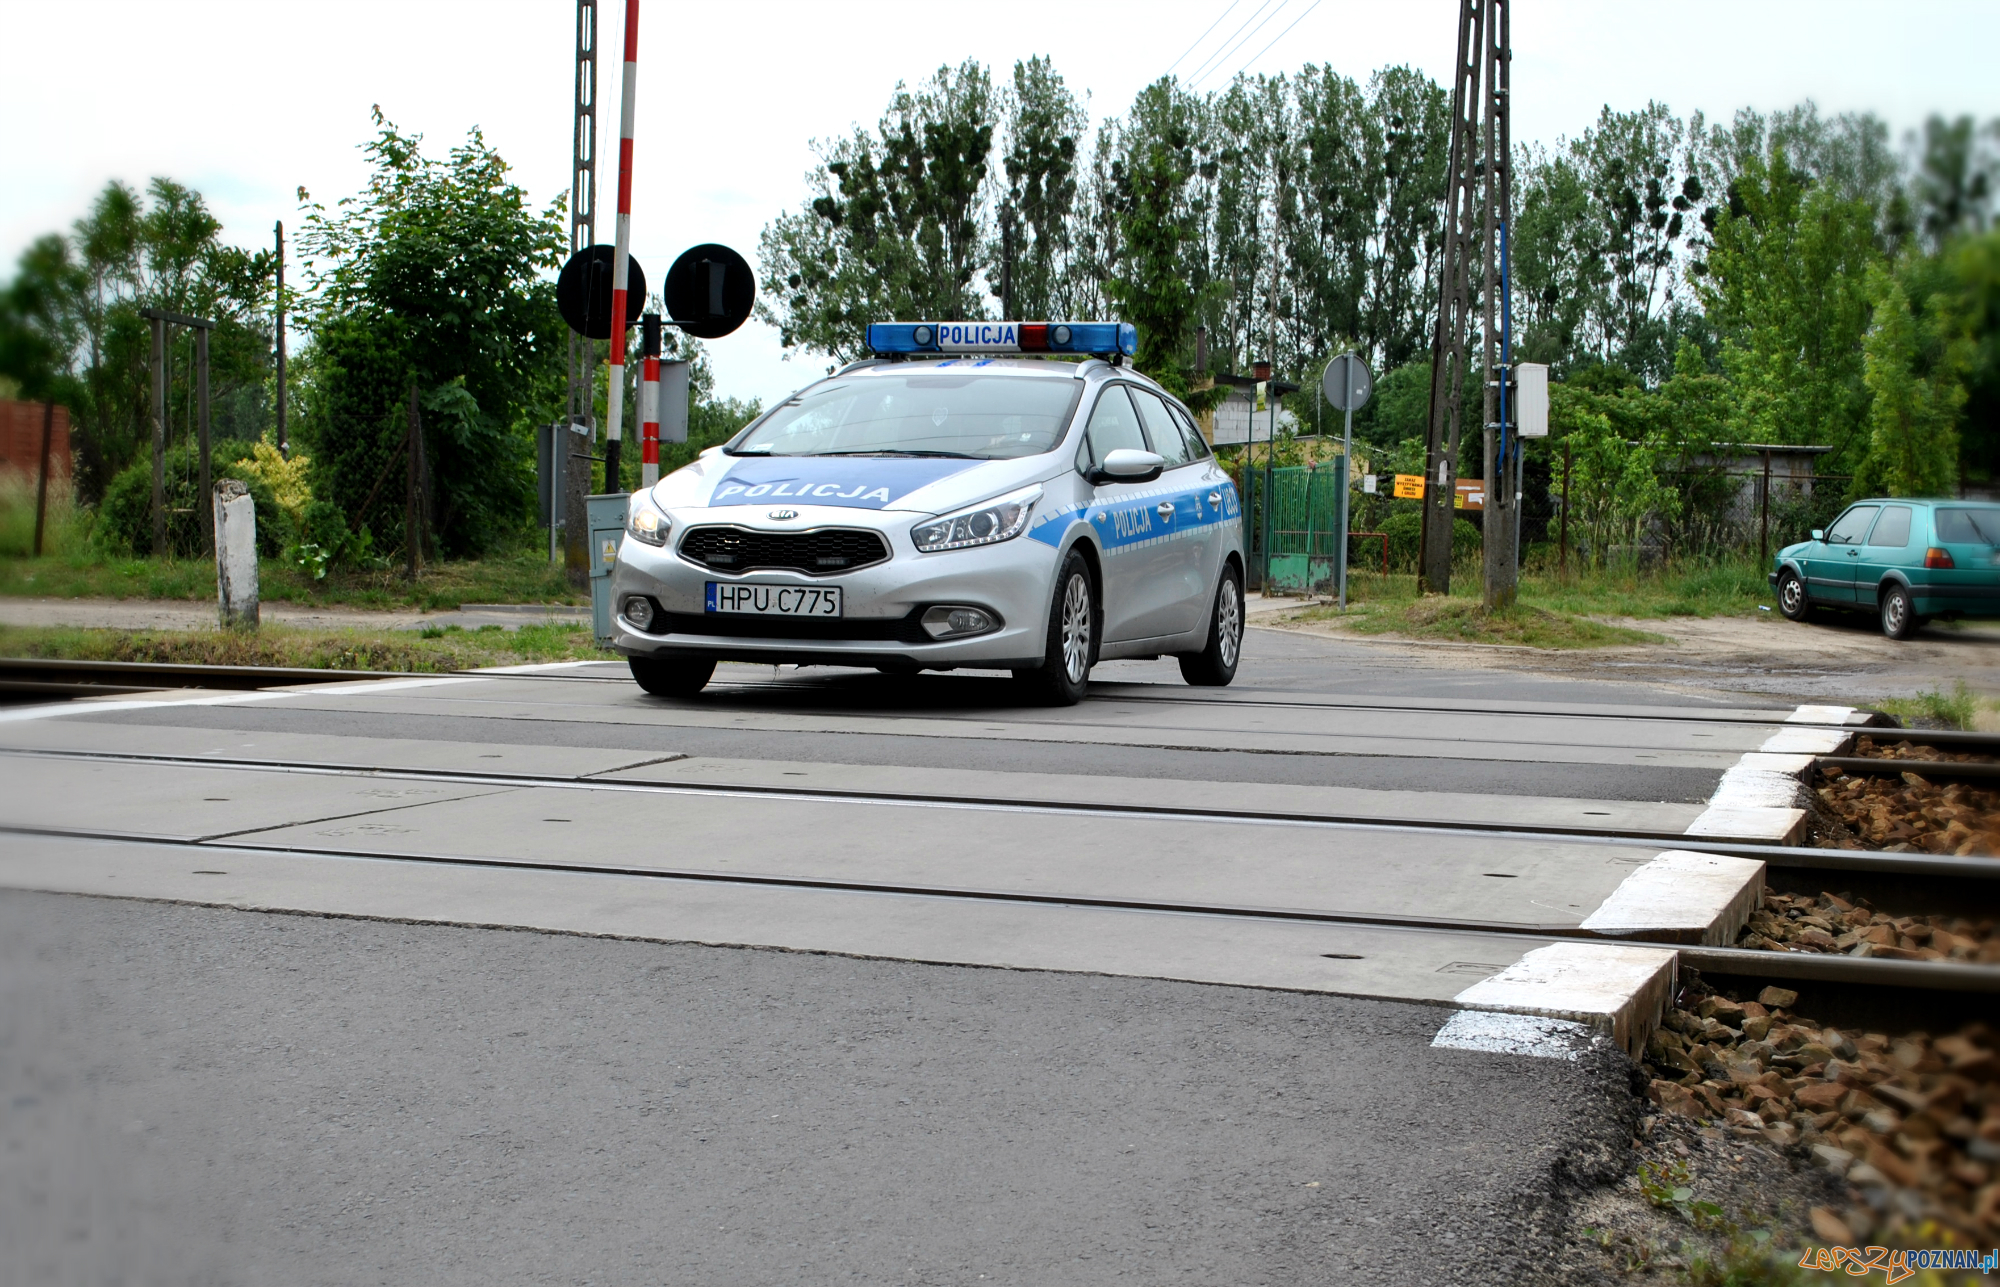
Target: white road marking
[{"x": 1515, "y": 1034}]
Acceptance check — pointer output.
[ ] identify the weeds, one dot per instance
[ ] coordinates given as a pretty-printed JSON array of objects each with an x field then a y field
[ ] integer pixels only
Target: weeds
[
  {"x": 89, "y": 573},
  {"x": 1936, "y": 708},
  {"x": 432, "y": 650},
  {"x": 1467, "y": 621}
]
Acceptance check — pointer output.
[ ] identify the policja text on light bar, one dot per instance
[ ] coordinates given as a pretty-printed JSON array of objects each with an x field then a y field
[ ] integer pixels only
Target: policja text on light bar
[{"x": 1004, "y": 337}]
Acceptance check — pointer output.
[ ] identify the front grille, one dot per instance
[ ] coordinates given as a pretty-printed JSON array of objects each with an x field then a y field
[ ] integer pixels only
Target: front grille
[
  {"x": 733, "y": 625},
  {"x": 823, "y": 551}
]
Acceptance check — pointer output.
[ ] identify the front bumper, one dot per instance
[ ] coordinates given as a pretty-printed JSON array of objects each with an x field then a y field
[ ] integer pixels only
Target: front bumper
[{"x": 1012, "y": 580}]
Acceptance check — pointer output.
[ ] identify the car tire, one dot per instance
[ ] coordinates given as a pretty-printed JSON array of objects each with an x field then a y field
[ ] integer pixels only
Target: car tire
[
  {"x": 1899, "y": 615},
  {"x": 1071, "y": 646},
  {"x": 1215, "y": 665},
  {"x": 1792, "y": 598},
  {"x": 672, "y": 676}
]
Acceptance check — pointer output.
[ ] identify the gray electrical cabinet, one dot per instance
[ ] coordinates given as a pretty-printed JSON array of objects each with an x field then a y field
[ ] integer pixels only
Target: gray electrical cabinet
[{"x": 607, "y": 531}]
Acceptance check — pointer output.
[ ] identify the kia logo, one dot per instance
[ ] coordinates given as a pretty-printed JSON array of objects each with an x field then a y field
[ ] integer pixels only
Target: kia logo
[{"x": 784, "y": 513}]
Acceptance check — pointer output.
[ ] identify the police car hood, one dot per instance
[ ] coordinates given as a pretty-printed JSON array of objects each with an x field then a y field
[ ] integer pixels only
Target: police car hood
[{"x": 920, "y": 484}]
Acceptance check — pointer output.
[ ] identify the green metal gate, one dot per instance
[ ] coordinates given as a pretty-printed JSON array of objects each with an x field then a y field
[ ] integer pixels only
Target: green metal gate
[{"x": 1303, "y": 524}]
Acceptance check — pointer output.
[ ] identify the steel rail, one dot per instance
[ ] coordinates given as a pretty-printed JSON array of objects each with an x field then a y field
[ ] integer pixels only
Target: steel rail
[
  {"x": 1877, "y": 767},
  {"x": 1788, "y": 857},
  {"x": 1911, "y": 976},
  {"x": 81, "y": 674}
]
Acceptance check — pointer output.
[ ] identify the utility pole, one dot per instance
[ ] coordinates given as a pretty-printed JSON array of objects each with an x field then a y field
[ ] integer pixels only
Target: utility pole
[
  {"x": 1449, "y": 339},
  {"x": 621, "y": 255},
  {"x": 159, "y": 435},
  {"x": 573, "y": 449},
  {"x": 284, "y": 443},
  {"x": 1501, "y": 521}
]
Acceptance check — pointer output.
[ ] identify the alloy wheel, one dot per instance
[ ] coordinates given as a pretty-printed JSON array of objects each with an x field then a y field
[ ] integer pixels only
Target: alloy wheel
[
  {"x": 1076, "y": 628},
  {"x": 1229, "y": 620},
  {"x": 1793, "y": 593}
]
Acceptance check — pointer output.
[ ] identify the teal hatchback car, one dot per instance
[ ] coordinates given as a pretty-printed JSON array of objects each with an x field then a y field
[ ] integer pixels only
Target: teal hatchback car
[{"x": 1905, "y": 560}]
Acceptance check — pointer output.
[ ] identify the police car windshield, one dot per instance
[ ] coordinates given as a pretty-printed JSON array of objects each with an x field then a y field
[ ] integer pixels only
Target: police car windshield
[{"x": 978, "y": 417}]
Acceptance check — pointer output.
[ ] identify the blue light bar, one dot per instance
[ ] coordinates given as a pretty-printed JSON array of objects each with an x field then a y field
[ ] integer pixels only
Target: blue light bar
[{"x": 1003, "y": 337}]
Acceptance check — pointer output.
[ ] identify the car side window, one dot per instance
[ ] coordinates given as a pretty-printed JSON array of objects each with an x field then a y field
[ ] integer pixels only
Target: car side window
[
  {"x": 1161, "y": 428},
  {"x": 1197, "y": 445},
  {"x": 1892, "y": 530},
  {"x": 1851, "y": 526},
  {"x": 1113, "y": 425}
]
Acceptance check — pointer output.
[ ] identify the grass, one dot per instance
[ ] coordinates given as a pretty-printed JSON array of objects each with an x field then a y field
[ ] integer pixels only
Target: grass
[
  {"x": 1935, "y": 708},
  {"x": 90, "y": 574},
  {"x": 1379, "y": 604},
  {"x": 432, "y": 651}
]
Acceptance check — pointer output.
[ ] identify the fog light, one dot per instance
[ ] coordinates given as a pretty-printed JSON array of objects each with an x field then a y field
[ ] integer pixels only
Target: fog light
[
  {"x": 639, "y": 611},
  {"x": 951, "y": 621}
]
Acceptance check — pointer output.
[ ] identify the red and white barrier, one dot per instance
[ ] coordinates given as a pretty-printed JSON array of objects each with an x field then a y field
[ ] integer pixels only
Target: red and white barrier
[{"x": 622, "y": 248}]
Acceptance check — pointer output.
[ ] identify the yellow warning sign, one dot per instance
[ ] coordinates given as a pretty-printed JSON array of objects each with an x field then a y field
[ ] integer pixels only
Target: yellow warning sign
[{"x": 1409, "y": 486}]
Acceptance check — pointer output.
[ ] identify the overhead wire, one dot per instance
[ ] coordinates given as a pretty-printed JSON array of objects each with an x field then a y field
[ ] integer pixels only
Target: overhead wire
[
  {"x": 1248, "y": 36},
  {"x": 1275, "y": 39},
  {"x": 1198, "y": 39},
  {"x": 1230, "y": 43}
]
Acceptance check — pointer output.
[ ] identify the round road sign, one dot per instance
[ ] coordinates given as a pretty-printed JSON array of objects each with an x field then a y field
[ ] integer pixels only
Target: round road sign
[
  {"x": 1347, "y": 383},
  {"x": 709, "y": 291},
  {"x": 583, "y": 292}
]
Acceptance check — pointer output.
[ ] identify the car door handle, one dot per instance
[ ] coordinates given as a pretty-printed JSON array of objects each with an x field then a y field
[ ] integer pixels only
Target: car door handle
[
  {"x": 1166, "y": 509},
  {"x": 1215, "y": 498}
]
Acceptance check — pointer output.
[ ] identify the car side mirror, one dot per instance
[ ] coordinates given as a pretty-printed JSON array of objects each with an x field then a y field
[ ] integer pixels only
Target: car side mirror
[
  {"x": 1127, "y": 465},
  {"x": 1819, "y": 534}
]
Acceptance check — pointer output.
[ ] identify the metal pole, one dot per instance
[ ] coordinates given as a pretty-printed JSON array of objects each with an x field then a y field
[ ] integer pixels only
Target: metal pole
[
  {"x": 649, "y": 400},
  {"x": 284, "y": 443},
  {"x": 573, "y": 469},
  {"x": 42, "y": 487},
  {"x": 159, "y": 438},
  {"x": 1764, "y": 515},
  {"x": 614, "y": 419},
  {"x": 201, "y": 435},
  {"x": 411, "y": 554},
  {"x": 1346, "y": 477},
  {"x": 1562, "y": 556}
]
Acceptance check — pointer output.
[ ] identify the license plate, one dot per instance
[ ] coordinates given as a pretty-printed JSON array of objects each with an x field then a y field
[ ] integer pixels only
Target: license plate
[{"x": 775, "y": 600}]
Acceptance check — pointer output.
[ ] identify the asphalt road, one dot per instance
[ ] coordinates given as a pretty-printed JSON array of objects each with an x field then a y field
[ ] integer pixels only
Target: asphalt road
[
  {"x": 204, "y": 1094},
  {"x": 217, "y": 1097}
]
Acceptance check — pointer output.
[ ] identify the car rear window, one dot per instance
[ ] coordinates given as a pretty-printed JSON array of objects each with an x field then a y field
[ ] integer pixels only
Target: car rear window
[{"x": 1969, "y": 526}]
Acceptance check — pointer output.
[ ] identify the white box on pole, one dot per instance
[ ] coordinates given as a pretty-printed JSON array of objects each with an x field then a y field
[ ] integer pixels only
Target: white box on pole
[
  {"x": 673, "y": 397},
  {"x": 1531, "y": 399}
]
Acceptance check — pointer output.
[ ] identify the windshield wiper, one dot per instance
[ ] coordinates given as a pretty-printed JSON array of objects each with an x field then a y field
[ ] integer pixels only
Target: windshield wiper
[{"x": 897, "y": 451}]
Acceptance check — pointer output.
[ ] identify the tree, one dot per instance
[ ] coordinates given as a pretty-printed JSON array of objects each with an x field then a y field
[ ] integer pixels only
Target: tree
[
  {"x": 895, "y": 228},
  {"x": 433, "y": 277},
  {"x": 1957, "y": 173},
  {"x": 1032, "y": 257},
  {"x": 1785, "y": 287},
  {"x": 1913, "y": 417},
  {"x": 1154, "y": 284}
]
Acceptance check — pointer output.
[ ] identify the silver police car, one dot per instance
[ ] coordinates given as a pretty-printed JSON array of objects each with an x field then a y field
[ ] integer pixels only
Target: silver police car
[{"x": 945, "y": 506}]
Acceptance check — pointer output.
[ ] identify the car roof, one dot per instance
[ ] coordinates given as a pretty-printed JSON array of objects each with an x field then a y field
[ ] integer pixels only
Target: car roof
[{"x": 1096, "y": 369}]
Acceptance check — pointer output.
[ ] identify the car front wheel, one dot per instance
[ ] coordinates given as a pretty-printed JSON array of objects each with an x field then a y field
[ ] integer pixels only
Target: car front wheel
[
  {"x": 1899, "y": 615},
  {"x": 1792, "y": 599},
  {"x": 1215, "y": 665},
  {"x": 1064, "y": 675},
  {"x": 672, "y": 676}
]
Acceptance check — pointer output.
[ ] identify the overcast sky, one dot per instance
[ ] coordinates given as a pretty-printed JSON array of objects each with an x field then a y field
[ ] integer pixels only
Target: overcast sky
[{"x": 248, "y": 101}]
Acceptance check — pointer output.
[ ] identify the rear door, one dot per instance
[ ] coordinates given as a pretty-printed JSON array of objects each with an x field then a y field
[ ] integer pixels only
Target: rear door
[
  {"x": 1886, "y": 549},
  {"x": 1831, "y": 564}
]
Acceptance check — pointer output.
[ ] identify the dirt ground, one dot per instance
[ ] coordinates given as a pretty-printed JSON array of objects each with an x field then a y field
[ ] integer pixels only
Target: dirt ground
[{"x": 1841, "y": 659}]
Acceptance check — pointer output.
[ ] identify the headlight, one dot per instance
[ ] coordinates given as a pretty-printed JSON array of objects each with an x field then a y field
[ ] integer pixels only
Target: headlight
[
  {"x": 996, "y": 520},
  {"x": 645, "y": 521}
]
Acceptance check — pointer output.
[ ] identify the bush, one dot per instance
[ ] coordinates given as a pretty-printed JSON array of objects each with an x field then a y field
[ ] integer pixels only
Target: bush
[
  {"x": 125, "y": 519},
  {"x": 1404, "y": 528}
]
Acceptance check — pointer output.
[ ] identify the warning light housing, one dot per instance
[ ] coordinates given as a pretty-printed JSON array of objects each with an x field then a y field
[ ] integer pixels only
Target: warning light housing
[{"x": 1098, "y": 338}]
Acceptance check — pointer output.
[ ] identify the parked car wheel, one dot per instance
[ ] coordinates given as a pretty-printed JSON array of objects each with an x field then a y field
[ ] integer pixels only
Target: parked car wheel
[
  {"x": 1792, "y": 599},
  {"x": 672, "y": 677},
  {"x": 1215, "y": 665},
  {"x": 1064, "y": 675},
  {"x": 1899, "y": 615}
]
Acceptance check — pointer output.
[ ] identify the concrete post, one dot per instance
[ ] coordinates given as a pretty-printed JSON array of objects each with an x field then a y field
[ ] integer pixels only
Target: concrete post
[{"x": 235, "y": 554}]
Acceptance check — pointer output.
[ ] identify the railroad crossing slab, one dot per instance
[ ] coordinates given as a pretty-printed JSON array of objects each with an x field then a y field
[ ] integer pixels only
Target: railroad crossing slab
[
  {"x": 1349, "y": 960},
  {"x": 168, "y": 801},
  {"x": 1443, "y": 808}
]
